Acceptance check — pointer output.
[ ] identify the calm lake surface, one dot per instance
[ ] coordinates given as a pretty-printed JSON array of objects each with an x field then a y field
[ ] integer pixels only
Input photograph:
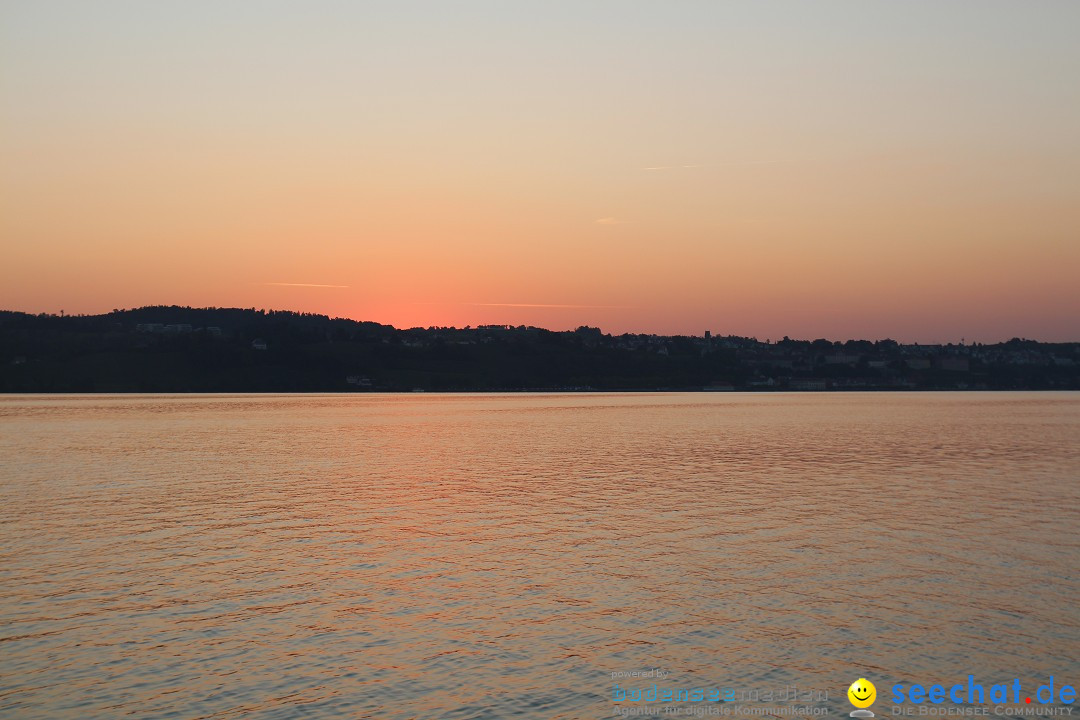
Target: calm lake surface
[{"x": 495, "y": 556}]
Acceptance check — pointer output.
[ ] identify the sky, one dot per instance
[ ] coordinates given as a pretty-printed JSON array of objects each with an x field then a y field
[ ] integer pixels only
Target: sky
[{"x": 830, "y": 169}]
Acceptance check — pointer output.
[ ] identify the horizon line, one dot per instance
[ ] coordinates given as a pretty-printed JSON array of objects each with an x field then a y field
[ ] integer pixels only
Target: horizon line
[{"x": 962, "y": 343}]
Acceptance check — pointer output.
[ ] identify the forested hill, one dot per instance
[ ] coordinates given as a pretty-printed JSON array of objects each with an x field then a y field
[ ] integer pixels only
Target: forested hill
[{"x": 181, "y": 349}]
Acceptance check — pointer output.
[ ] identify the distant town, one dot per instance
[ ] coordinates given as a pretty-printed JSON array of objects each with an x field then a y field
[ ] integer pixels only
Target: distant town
[{"x": 182, "y": 349}]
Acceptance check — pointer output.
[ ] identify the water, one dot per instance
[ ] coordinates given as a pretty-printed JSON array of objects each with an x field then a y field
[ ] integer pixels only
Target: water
[{"x": 495, "y": 556}]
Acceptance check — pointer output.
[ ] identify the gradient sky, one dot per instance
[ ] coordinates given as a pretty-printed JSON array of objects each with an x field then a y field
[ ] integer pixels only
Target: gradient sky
[{"x": 826, "y": 169}]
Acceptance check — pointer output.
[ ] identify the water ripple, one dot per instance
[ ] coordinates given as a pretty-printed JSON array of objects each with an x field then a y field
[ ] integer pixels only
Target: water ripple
[{"x": 493, "y": 556}]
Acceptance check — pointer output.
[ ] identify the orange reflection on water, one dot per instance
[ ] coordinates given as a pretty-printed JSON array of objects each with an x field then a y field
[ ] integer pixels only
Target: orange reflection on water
[{"x": 484, "y": 555}]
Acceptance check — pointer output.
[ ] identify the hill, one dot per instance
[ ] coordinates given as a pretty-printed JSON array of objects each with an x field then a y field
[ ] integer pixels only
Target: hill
[{"x": 183, "y": 349}]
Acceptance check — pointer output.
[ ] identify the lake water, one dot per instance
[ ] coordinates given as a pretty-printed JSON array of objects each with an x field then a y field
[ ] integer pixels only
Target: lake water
[{"x": 497, "y": 556}]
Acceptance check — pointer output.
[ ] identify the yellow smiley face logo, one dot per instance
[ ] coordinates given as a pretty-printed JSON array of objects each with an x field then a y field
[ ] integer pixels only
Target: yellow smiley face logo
[{"x": 862, "y": 693}]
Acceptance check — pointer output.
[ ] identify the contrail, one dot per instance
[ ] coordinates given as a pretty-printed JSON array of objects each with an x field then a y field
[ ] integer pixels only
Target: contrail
[
  {"x": 305, "y": 285},
  {"x": 727, "y": 164},
  {"x": 542, "y": 305},
  {"x": 755, "y": 162}
]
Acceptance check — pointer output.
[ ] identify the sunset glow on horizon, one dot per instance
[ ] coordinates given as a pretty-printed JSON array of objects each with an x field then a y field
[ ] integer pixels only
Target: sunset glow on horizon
[{"x": 841, "y": 170}]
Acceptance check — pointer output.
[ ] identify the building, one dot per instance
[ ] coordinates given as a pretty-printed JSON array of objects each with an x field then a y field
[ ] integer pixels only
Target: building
[
  {"x": 808, "y": 384},
  {"x": 841, "y": 359},
  {"x": 952, "y": 363}
]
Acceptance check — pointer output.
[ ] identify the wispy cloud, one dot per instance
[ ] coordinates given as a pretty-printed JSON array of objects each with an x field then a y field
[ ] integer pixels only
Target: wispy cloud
[
  {"x": 545, "y": 305},
  {"x": 280, "y": 284},
  {"x": 609, "y": 221},
  {"x": 727, "y": 164},
  {"x": 754, "y": 162}
]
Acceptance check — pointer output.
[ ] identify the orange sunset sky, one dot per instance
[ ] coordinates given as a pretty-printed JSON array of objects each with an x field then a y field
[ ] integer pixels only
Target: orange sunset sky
[{"x": 833, "y": 169}]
